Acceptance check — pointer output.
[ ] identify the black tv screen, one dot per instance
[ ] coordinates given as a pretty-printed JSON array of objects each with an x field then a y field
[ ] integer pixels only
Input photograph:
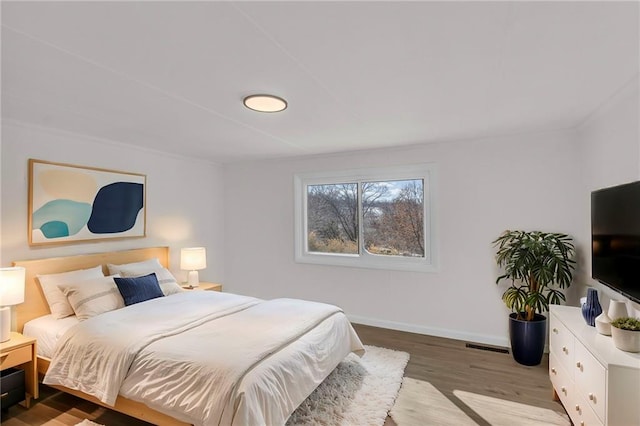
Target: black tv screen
[{"x": 615, "y": 238}]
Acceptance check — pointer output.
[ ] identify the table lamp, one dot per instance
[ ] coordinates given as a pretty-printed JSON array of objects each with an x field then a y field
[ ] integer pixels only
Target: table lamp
[
  {"x": 11, "y": 293},
  {"x": 192, "y": 259}
]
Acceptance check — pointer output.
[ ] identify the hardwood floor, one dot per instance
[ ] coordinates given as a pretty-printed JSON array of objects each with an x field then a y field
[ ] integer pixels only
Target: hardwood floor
[{"x": 447, "y": 364}]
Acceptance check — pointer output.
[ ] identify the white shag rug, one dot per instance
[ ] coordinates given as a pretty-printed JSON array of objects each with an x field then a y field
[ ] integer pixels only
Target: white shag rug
[
  {"x": 360, "y": 391},
  {"x": 87, "y": 422}
]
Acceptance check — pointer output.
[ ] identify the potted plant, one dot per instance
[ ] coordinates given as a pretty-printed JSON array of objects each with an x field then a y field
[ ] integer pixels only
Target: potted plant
[
  {"x": 625, "y": 332},
  {"x": 538, "y": 265}
]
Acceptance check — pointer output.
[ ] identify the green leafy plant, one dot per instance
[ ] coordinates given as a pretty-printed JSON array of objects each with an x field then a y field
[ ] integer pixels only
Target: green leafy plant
[
  {"x": 538, "y": 264},
  {"x": 627, "y": 323}
]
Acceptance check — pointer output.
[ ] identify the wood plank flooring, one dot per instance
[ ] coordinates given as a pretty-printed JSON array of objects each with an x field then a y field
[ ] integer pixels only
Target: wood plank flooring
[
  {"x": 446, "y": 364},
  {"x": 450, "y": 366}
]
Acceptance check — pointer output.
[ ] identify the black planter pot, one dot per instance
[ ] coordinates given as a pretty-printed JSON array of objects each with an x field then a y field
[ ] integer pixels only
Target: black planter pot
[{"x": 527, "y": 339}]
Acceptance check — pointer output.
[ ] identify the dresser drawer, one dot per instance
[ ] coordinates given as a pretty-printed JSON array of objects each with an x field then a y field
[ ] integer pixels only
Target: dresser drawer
[
  {"x": 561, "y": 343},
  {"x": 12, "y": 387},
  {"x": 15, "y": 357},
  {"x": 583, "y": 415},
  {"x": 560, "y": 380},
  {"x": 590, "y": 379}
]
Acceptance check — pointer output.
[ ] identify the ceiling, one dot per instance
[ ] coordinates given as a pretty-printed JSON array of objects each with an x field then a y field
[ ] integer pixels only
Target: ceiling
[{"x": 171, "y": 76}]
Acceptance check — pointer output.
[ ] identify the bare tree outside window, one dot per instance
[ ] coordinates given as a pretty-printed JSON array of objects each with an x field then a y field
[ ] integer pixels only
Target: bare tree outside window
[
  {"x": 332, "y": 218},
  {"x": 394, "y": 221},
  {"x": 392, "y": 215}
]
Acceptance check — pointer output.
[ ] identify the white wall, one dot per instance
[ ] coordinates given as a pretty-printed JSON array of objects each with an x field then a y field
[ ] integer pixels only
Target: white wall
[
  {"x": 609, "y": 148},
  {"x": 184, "y": 196},
  {"x": 484, "y": 187}
]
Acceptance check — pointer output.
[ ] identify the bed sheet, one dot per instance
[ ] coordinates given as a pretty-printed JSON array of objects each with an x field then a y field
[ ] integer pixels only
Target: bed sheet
[{"x": 48, "y": 330}]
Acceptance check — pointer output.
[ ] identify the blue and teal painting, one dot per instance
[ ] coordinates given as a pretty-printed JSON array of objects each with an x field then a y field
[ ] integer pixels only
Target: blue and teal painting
[{"x": 114, "y": 209}]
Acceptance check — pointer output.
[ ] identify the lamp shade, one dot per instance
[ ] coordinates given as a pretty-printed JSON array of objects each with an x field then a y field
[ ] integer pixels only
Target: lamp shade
[
  {"x": 193, "y": 258},
  {"x": 12, "y": 286}
]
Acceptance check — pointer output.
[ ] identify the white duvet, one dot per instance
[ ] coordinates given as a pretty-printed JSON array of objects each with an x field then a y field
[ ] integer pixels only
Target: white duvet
[{"x": 207, "y": 358}]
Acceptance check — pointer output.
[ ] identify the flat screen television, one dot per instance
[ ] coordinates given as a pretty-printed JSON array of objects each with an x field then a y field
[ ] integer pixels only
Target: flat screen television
[{"x": 615, "y": 238}]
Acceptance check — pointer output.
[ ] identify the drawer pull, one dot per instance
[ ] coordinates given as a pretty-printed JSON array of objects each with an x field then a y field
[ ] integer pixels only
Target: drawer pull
[
  {"x": 592, "y": 397},
  {"x": 578, "y": 364},
  {"x": 553, "y": 370},
  {"x": 564, "y": 390},
  {"x": 577, "y": 407},
  {"x": 581, "y": 423},
  {"x": 4, "y": 394},
  {"x": 565, "y": 350},
  {"x": 555, "y": 330}
]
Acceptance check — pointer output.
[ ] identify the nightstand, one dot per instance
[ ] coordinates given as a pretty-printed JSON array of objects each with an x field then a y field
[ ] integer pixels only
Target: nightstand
[
  {"x": 204, "y": 286},
  {"x": 20, "y": 351}
]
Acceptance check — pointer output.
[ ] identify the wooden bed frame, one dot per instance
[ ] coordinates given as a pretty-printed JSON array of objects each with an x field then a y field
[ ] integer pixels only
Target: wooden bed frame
[{"x": 35, "y": 305}]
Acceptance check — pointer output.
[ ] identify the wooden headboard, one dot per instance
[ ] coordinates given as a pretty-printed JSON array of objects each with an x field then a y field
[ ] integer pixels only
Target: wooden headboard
[{"x": 35, "y": 305}]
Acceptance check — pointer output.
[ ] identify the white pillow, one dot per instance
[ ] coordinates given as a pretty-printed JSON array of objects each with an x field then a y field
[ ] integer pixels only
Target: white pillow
[
  {"x": 168, "y": 283},
  {"x": 58, "y": 304},
  {"x": 148, "y": 264},
  {"x": 93, "y": 297}
]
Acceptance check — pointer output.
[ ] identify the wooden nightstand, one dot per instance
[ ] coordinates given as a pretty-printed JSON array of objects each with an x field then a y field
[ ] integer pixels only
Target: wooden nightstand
[
  {"x": 204, "y": 286},
  {"x": 20, "y": 351}
]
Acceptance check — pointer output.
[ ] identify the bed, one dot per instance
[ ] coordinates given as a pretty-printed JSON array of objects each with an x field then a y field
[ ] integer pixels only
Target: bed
[{"x": 216, "y": 358}]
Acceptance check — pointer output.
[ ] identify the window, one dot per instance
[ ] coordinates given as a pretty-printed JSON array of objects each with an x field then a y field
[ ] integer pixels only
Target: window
[{"x": 370, "y": 218}]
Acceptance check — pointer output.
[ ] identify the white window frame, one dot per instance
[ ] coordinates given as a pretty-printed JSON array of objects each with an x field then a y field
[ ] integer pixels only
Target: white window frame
[{"x": 426, "y": 172}]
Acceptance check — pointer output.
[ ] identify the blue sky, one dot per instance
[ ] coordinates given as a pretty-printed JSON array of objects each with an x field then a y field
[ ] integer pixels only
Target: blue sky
[{"x": 394, "y": 188}]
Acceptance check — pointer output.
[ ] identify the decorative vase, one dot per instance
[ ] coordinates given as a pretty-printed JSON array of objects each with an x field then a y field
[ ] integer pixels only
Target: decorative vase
[
  {"x": 626, "y": 340},
  {"x": 591, "y": 309},
  {"x": 603, "y": 324},
  {"x": 617, "y": 309}
]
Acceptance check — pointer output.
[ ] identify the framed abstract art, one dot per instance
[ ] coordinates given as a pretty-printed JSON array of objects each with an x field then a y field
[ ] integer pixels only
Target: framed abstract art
[{"x": 71, "y": 204}]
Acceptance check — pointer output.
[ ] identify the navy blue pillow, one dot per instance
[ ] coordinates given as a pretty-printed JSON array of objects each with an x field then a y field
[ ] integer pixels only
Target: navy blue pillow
[{"x": 139, "y": 289}]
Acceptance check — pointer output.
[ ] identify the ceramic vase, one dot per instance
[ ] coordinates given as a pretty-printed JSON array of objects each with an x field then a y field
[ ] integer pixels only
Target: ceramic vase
[
  {"x": 603, "y": 324},
  {"x": 617, "y": 309},
  {"x": 591, "y": 309}
]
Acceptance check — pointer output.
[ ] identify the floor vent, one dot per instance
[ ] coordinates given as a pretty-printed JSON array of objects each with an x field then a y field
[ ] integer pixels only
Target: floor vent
[{"x": 487, "y": 348}]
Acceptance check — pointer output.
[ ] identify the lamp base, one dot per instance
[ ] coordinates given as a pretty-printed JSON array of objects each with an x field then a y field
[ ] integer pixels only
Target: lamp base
[
  {"x": 193, "y": 279},
  {"x": 5, "y": 324}
]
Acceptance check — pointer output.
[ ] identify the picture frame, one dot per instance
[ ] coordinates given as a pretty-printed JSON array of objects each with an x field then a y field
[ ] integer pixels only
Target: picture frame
[{"x": 71, "y": 204}]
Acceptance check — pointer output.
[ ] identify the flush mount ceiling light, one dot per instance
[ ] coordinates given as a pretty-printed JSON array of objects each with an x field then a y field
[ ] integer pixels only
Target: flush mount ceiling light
[{"x": 265, "y": 103}]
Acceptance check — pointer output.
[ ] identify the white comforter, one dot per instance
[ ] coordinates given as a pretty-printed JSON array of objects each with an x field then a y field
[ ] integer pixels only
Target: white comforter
[{"x": 189, "y": 355}]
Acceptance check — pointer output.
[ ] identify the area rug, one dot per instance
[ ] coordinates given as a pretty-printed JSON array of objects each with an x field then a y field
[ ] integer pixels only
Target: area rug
[
  {"x": 360, "y": 391},
  {"x": 88, "y": 423},
  {"x": 421, "y": 403}
]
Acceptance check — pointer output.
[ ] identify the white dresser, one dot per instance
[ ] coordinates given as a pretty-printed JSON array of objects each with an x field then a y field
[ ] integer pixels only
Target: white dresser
[{"x": 597, "y": 383}]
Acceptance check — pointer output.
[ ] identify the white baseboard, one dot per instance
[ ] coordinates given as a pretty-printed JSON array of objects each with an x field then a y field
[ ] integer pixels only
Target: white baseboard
[{"x": 432, "y": 331}]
